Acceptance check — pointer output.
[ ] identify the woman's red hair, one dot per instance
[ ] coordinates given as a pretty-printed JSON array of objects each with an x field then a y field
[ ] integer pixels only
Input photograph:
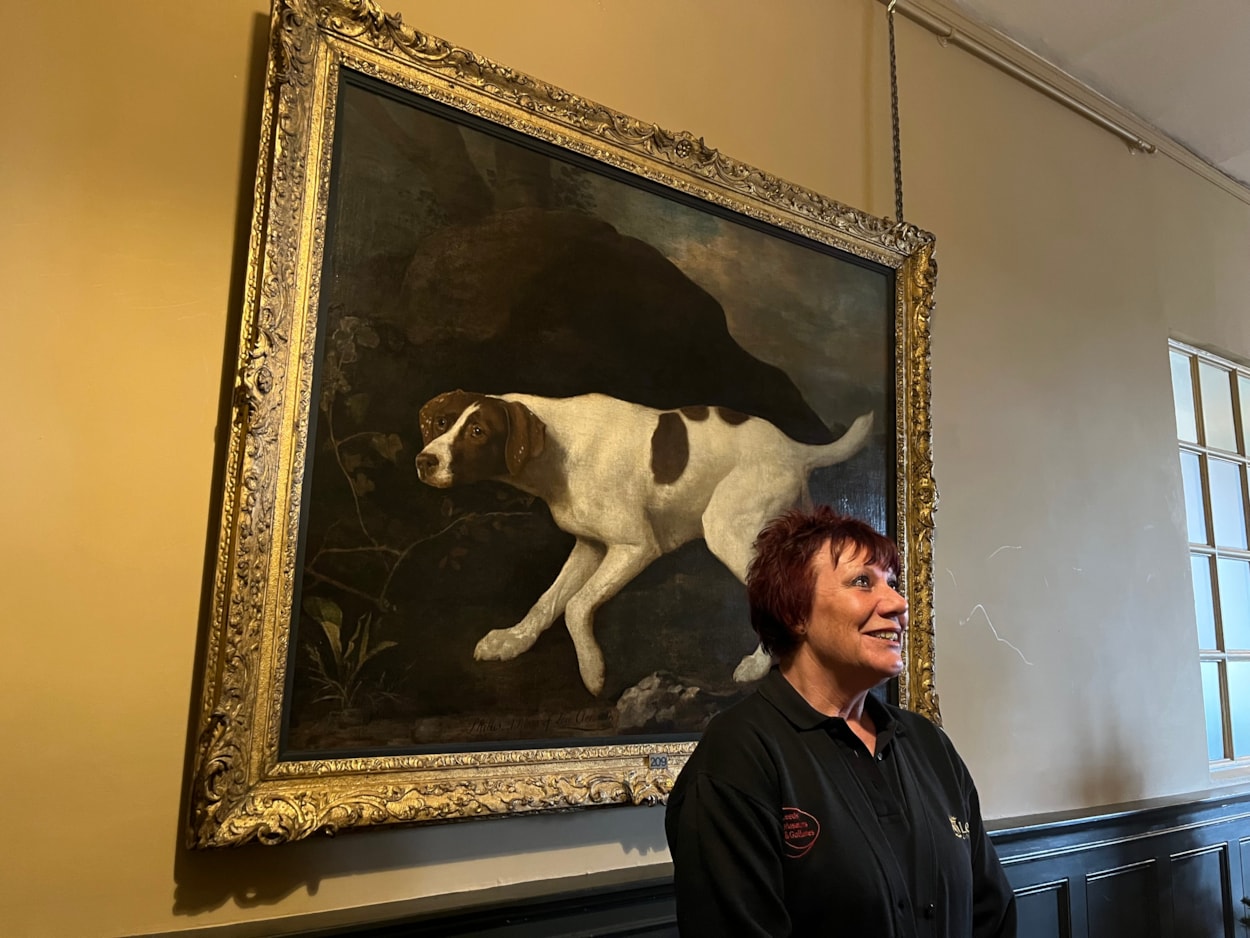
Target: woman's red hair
[{"x": 781, "y": 578}]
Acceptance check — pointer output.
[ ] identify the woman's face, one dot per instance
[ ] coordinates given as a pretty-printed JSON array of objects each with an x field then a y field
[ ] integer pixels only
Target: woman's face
[{"x": 857, "y": 620}]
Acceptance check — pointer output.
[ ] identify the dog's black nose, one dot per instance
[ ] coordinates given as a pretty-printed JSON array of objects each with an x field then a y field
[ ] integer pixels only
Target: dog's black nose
[{"x": 426, "y": 462}]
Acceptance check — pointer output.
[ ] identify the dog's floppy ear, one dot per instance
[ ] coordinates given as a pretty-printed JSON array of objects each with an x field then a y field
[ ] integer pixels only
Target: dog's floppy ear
[
  {"x": 526, "y": 436},
  {"x": 431, "y": 407}
]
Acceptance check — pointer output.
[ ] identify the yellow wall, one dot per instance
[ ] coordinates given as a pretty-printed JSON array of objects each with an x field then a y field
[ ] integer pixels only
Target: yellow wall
[{"x": 1066, "y": 262}]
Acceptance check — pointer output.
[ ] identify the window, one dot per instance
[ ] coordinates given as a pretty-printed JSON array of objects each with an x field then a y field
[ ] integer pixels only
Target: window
[{"x": 1212, "y": 398}]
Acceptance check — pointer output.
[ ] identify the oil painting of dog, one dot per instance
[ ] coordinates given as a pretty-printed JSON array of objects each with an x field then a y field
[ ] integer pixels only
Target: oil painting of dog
[
  {"x": 556, "y": 552},
  {"x": 630, "y": 483}
]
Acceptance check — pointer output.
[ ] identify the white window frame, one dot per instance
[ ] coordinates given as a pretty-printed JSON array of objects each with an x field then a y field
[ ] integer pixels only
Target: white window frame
[{"x": 1221, "y": 655}]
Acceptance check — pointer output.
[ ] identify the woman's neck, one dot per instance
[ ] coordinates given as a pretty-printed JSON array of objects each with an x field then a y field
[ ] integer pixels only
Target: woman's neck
[{"x": 821, "y": 688}]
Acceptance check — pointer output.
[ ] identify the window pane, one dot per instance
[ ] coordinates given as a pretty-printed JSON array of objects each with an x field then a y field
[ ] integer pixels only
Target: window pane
[
  {"x": 1233, "y": 577},
  {"x": 1243, "y": 389},
  {"x": 1215, "y": 715},
  {"x": 1192, "y": 478},
  {"x": 1228, "y": 513},
  {"x": 1217, "y": 406},
  {"x": 1204, "y": 605},
  {"x": 1183, "y": 397},
  {"x": 1239, "y": 706}
]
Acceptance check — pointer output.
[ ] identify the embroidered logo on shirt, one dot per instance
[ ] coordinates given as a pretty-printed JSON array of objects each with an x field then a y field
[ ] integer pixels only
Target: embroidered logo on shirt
[
  {"x": 799, "y": 831},
  {"x": 959, "y": 827}
]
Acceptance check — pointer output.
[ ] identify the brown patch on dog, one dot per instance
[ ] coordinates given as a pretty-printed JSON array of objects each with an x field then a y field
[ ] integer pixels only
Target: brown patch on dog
[
  {"x": 439, "y": 414},
  {"x": 670, "y": 448},
  {"x": 527, "y": 435},
  {"x": 732, "y": 417},
  {"x": 698, "y": 412}
]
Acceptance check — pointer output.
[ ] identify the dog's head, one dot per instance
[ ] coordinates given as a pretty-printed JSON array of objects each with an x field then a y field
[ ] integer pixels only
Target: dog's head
[{"x": 469, "y": 437}]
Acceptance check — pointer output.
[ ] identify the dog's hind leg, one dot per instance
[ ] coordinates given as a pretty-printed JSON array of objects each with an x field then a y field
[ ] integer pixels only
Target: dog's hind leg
[
  {"x": 730, "y": 539},
  {"x": 621, "y": 564},
  {"x": 505, "y": 644},
  {"x": 733, "y": 518}
]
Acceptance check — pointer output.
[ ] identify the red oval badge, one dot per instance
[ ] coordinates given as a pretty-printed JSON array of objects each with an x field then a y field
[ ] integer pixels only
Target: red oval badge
[{"x": 799, "y": 831}]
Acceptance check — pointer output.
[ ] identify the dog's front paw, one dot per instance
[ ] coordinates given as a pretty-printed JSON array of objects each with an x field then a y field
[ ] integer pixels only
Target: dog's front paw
[
  {"x": 592, "y": 675},
  {"x": 753, "y": 667},
  {"x": 501, "y": 645}
]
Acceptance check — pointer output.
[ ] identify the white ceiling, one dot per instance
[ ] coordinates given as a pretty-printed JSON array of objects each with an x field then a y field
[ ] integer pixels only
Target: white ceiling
[{"x": 1181, "y": 65}]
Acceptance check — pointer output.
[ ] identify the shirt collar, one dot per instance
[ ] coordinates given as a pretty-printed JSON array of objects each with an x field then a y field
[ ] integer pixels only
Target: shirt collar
[{"x": 781, "y": 694}]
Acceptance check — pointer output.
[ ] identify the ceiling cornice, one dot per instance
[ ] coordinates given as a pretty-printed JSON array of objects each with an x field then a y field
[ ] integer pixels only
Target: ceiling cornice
[{"x": 952, "y": 27}]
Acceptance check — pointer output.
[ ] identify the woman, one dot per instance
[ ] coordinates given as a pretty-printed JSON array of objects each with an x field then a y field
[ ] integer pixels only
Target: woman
[{"x": 811, "y": 807}]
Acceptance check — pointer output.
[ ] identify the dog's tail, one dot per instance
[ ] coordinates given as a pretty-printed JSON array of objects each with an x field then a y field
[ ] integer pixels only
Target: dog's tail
[{"x": 843, "y": 448}]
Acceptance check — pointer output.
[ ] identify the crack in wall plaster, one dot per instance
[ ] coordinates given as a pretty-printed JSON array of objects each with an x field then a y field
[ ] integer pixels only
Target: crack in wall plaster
[
  {"x": 1003, "y": 548},
  {"x": 995, "y": 631}
]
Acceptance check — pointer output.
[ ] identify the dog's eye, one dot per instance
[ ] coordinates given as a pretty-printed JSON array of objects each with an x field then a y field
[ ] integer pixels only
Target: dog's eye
[
  {"x": 475, "y": 430},
  {"x": 441, "y": 423}
]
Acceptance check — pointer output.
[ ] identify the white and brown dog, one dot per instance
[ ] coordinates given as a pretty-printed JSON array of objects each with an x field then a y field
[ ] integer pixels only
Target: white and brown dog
[{"x": 630, "y": 483}]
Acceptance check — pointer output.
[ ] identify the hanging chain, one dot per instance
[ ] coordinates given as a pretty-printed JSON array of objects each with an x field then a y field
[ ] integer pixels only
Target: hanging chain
[{"x": 898, "y": 151}]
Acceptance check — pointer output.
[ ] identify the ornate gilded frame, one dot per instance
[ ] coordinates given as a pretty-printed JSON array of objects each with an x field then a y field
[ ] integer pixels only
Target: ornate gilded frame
[{"x": 241, "y": 789}]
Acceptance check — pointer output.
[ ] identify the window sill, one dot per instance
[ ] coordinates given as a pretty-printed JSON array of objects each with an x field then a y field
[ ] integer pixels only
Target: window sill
[{"x": 1230, "y": 773}]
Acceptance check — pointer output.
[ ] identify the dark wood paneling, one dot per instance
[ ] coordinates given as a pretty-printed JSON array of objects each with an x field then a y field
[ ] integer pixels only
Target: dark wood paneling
[
  {"x": 1243, "y": 910},
  {"x": 647, "y": 911},
  {"x": 1176, "y": 870},
  {"x": 1044, "y": 911},
  {"x": 1165, "y": 870},
  {"x": 1124, "y": 901},
  {"x": 1202, "y": 903}
]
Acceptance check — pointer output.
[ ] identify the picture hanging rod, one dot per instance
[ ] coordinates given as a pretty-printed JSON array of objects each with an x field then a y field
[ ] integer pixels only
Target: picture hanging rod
[
  {"x": 990, "y": 46},
  {"x": 948, "y": 33}
]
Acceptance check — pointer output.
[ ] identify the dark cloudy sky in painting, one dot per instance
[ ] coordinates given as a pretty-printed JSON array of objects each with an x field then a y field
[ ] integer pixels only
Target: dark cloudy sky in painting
[{"x": 823, "y": 320}]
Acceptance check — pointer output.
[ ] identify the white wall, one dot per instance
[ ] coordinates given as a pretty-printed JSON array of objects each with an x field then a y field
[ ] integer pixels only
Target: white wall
[{"x": 1065, "y": 263}]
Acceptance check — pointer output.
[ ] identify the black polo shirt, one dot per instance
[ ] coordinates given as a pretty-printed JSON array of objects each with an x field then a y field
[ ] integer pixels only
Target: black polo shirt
[{"x": 783, "y": 823}]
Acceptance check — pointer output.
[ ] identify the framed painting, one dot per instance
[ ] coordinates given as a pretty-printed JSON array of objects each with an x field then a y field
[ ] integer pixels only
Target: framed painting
[{"x": 520, "y": 378}]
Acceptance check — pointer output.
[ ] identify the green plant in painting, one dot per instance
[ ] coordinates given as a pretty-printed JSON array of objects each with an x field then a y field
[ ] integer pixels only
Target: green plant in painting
[{"x": 339, "y": 674}]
